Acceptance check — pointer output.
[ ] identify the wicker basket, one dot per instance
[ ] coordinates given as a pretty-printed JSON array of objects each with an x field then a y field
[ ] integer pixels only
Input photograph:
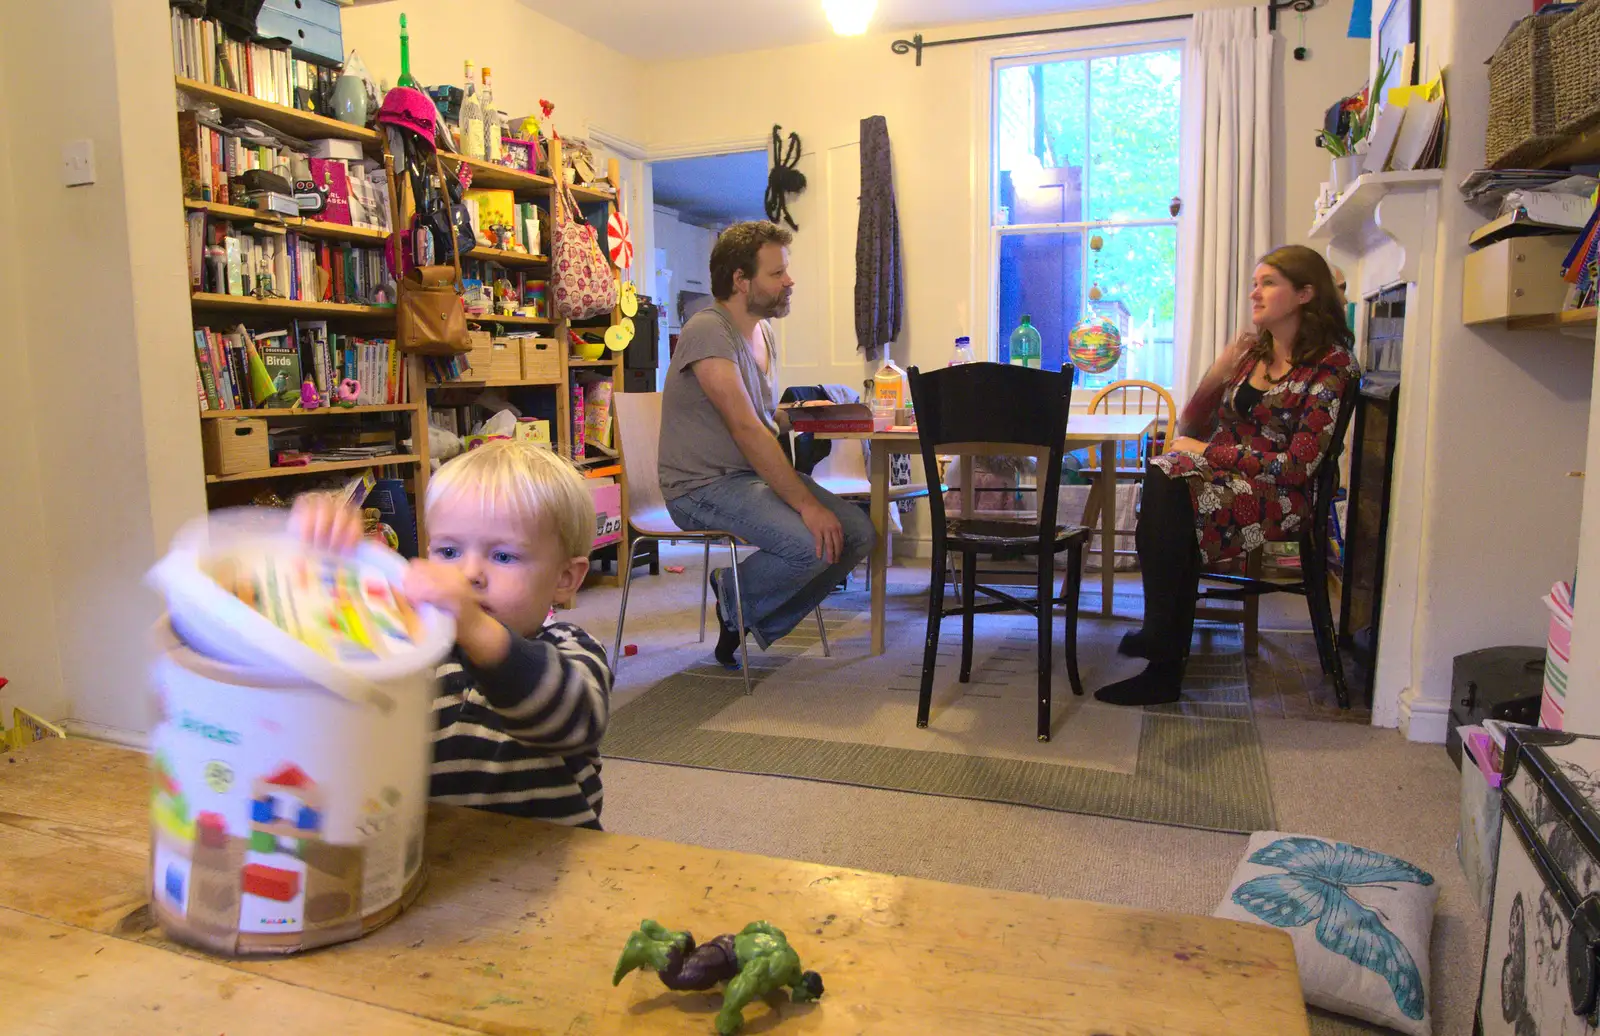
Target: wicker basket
[
  {"x": 1522, "y": 99},
  {"x": 1575, "y": 59}
]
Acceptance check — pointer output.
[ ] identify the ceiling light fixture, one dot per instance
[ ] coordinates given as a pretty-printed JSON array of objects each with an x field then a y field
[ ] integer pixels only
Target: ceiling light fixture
[{"x": 849, "y": 17}]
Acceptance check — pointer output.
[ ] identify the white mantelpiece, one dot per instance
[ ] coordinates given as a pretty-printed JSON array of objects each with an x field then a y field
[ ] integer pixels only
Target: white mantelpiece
[{"x": 1383, "y": 232}]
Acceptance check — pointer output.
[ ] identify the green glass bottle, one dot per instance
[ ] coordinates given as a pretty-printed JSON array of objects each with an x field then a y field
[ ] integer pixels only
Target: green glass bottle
[
  {"x": 406, "y": 78},
  {"x": 1026, "y": 346}
]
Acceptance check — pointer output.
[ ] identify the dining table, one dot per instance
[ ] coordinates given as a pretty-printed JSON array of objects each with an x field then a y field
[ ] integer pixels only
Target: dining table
[
  {"x": 1105, "y": 432},
  {"x": 518, "y": 928}
]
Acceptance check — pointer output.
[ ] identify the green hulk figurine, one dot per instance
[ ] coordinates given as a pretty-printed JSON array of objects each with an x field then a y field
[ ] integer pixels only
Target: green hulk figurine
[{"x": 753, "y": 963}]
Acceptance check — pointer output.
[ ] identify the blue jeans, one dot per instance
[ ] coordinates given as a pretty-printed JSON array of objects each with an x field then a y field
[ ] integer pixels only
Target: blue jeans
[{"x": 784, "y": 580}]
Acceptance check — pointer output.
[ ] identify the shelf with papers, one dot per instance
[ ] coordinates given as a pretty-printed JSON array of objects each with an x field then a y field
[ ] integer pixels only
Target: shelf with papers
[
  {"x": 308, "y": 227},
  {"x": 315, "y": 467}
]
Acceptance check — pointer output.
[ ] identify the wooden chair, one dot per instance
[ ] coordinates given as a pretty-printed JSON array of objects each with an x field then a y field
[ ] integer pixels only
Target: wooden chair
[
  {"x": 957, "y": 413},
  {"x": 1128, "y": 396},
  {"x": 638, "y": 418},
  {"x": 1247, "y": 587}
]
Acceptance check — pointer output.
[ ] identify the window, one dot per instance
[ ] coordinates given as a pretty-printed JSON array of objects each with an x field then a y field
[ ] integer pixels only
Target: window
[{"x": 1087, "y": 146}]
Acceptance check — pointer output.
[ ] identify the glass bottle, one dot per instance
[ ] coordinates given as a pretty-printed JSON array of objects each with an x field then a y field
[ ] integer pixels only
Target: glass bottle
[
  {"x": 1026, "y": 346},
  {"x": 406, "y": 79}
]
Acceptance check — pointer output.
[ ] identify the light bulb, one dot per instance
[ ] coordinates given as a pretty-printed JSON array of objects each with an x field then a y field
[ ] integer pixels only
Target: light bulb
[{"x": 849, "y": 17}]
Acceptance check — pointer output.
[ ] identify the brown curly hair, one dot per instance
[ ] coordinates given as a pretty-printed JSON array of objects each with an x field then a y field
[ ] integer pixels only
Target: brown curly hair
[
  {"x": 736, "y": 252},
  {"x": 1322, "y": 319}
]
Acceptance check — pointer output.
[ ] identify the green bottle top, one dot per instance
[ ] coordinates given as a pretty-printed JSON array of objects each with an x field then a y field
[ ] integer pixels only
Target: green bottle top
[{"x": 406, "y": 78}]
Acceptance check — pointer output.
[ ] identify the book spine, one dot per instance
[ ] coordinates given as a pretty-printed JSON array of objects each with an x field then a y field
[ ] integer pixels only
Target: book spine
[{"x": 208, "y": 381}]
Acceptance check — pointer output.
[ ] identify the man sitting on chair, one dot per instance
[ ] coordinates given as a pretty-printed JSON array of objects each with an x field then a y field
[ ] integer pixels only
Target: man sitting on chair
[{"x": 720, "y": 462}]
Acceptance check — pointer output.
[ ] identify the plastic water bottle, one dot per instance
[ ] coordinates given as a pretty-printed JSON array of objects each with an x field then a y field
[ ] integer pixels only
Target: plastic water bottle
[
  {"x": 963, "y": 353},
  {"x": 1026, "y": 346}
]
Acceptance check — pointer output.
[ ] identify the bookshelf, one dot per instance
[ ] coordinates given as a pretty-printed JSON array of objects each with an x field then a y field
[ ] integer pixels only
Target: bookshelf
[
  {"x": 535, "y": 395},
  {"x": 262, "y": 316}
]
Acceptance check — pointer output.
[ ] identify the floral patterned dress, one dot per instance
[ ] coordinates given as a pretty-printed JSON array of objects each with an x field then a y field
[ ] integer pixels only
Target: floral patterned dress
[{"x": 1253, "y": 483}]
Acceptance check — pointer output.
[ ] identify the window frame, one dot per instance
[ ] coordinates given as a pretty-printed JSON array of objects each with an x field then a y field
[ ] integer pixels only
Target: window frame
[{"x": 988, "y": 60}]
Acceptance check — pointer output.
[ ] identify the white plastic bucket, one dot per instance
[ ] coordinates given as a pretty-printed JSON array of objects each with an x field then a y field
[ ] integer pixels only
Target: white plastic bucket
[{"x": 285, "y": 814}]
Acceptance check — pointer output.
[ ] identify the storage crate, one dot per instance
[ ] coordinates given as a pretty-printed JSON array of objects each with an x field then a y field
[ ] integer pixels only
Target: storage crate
[
  {"x": 505, "y": 360},
  {"x": 1522, "y": 99},
  {"x": 233, "y": 445},
  {"x": 541, "y": 359},
  {"x": 1574, "y": 56},
  {"x": 481, "y": 359},
  {"x": 607, "y": 512}
]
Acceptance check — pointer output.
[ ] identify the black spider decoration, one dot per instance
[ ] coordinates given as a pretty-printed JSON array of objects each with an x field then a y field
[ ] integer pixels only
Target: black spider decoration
[{"x": 784, "y": 179}]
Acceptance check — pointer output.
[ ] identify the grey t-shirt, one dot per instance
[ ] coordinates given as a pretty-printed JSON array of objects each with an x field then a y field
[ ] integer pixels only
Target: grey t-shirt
[{"x": 696, "y": 447}]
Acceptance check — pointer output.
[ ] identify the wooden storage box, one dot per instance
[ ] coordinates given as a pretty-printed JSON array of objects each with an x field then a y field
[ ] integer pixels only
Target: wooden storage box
[
  {"x": 1517, "y": 277},
  {"x": 481, "y": 358},
  {"x": 232, "y": 445},
  {"x": 505, "y": 361},
  {"x": 541, "y": 359}
]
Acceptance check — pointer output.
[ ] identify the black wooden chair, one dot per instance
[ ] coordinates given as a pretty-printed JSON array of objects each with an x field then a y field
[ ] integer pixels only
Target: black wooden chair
[
  {"x": 985, "y": 409},
  {"x": 1313, "y": 581}
]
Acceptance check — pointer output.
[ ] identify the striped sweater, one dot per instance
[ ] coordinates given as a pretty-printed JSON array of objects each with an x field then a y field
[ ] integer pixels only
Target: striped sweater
[{"x": 523, "y": 737}]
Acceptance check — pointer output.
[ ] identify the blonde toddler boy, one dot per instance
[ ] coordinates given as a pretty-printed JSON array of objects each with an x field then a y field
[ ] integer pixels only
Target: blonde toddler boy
[{"x": 522, "y": 702}]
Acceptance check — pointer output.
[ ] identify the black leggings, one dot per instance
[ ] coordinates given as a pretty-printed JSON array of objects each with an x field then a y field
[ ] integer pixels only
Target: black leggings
[{"x": 1169, "y": 561}]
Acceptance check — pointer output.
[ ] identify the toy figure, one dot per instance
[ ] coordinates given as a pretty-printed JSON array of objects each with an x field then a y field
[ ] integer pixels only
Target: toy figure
[
  {"x": 309, "y": 399},
  {"x": 349, "y": 391},
  {"x": 753, "y": 963}
]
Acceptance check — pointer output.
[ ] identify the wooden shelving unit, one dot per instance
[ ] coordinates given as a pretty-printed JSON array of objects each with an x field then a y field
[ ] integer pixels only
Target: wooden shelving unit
[
  {"x": 210, "y": 308},
  {"x": 305, "y": 125},
  {"x": 1555, "y": 321},
  {"x": 513, "y": 321},
  {"x": 288, "y": 307},
  {"x": 308, "y": 227},
  {"x": 500, "y": 255},
  {"x": 315, "y": 467}
]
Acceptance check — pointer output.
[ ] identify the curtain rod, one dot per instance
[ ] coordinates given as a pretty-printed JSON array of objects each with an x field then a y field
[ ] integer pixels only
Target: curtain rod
[{"x": 918, "y": 44}]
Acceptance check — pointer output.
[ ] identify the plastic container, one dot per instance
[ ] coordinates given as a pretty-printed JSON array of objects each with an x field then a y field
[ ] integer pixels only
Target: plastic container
[
  {"x": 1027, "y": 348},
  {"x": 290, "y": 786},
  {"x": 889, "y": 390},
  {"x": 963, "y": 352}
]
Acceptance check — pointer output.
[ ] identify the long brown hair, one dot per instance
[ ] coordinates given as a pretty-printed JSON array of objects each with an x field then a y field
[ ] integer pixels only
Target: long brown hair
[{"x": 1322, "y": 321}]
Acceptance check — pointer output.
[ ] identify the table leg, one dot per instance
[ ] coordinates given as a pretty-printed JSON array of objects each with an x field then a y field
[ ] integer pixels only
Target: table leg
[
  {"x": 880, "y": 553},
  {"x": 1108, "y": 523}
]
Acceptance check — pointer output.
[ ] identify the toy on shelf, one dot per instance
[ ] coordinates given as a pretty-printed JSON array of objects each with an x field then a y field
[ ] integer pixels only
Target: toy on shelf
[
  {"x": 349, "y": 391},
  {"x": 309, "y": 399},
  {"x": 754, "y": 963}
]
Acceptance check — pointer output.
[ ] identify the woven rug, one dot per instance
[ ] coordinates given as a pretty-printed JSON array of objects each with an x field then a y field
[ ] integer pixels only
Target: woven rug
[{"x": 851, "y": 719}]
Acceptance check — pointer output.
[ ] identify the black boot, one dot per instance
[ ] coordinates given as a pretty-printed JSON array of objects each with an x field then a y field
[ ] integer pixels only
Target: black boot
[
  {"x": 1158, "y": 684},
  {"x": 728, "y": 639},
  {"x": 1135, "y": 645}
]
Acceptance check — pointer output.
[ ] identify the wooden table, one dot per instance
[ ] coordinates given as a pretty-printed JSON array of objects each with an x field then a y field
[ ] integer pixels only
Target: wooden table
[
  {"x": 520, "y": 924},
  {"x": 1106, "y": 431}
]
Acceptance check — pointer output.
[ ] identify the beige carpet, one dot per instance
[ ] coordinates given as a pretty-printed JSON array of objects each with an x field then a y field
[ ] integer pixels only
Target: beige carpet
[
  {"x": 851, "y": 718},
  {"x": 1355, "y": 783}
]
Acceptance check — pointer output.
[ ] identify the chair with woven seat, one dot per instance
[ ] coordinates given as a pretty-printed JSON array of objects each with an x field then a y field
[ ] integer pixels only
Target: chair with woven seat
[
  {"x": 1247, "y": 587},
  {"x": 957, "y": 414},
  {"x": 638, "y": 421},
  {"x": 1128, "y": 396}
]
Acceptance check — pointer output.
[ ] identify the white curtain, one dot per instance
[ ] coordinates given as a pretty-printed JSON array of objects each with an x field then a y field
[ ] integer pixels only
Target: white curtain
[{"x": 1228, "y": 73}]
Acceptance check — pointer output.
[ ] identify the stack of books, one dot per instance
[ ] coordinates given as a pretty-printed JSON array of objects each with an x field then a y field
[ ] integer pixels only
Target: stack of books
[
  {"x": 228, "y": 378},
  {"x": 203, "y": 51}
]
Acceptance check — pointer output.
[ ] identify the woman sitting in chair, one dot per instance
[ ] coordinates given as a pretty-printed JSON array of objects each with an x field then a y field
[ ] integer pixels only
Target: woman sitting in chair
[{"x": 1239, "y": 473}]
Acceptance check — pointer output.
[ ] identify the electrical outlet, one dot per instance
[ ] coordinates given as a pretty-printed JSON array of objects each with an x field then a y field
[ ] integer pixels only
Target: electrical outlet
[{"x": 77, "y": 163}]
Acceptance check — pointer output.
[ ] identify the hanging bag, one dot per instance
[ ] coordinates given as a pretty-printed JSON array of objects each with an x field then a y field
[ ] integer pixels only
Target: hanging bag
[
  {"x": 583, "y": 285},
  {"x": 431, "y": 319}
]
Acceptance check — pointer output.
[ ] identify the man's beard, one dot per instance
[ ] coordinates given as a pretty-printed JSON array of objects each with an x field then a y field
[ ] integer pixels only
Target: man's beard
[{"x": 768, "y": 307}]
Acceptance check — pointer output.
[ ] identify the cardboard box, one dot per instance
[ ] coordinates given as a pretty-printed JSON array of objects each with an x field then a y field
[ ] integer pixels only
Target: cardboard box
[
  {"x": 535, "y": 430},
  {"x": 822, "y": 416}
]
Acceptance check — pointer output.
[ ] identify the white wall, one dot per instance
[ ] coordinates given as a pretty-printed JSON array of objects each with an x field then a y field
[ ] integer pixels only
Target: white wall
[
  {"x": 591, "y": 85},
  {"x": 688, "y": 249},
  {"x": 103, "y": 459},
  {"x": 1504, "y": 421}
]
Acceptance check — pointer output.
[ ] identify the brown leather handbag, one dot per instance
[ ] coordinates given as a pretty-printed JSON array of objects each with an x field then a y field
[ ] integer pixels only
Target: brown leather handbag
[{"x": 430, "y": 316}]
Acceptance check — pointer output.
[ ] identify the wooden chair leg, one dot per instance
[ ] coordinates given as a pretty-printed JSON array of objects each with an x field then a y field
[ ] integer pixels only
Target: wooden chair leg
[
  {"x": 969, "y": 593},
  {"x": 930, "y": 647},
  {"x": 1252, "y": 607},
  {"x": 1045, "y": 577},
  {"x": 1074, "y": 584}
]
